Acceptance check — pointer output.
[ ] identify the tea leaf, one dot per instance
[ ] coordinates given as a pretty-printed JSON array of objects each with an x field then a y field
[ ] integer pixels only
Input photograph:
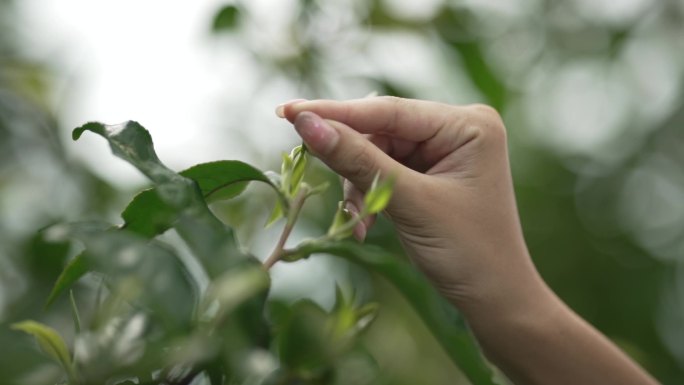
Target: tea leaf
[
  {"x": 74, "y": 270},
  {"x": 443, "y": 320},
  {"x": 276, "y": 214},
  {"x": 341, "y": 218},
  {"x": 299, "y": 161},
  {"x": 74, "y": 312},
  {"x": 211, "y": 241},
  {"x": 50, "y": 342},
  {"x": 148, "y": 215},
  {"x": 378, "y": 196},
  {"x": 224, "y": 179},
  {"x": 128, "y": 258}
]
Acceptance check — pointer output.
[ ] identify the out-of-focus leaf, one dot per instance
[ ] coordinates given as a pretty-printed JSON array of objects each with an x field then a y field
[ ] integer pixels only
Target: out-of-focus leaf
[
  {"x": 379, "y": 195},
  {"x": 212, "y": 242},
  {"x": 451, "y": 24},
  {"x": 320, "y": 189},
  {"x": 348, "y": 319},
  {"x": 226, "y": 19},
  {"x": 73, "y": 271},
  {"x": 75, "y": 313},
  {"x": 233, "y": 288},
  {"x": 51, "y": 343},
  {"x": 304, "y": 341},
  {"x": 127, "y": 258},
  {"x": 443, "y": 320}
]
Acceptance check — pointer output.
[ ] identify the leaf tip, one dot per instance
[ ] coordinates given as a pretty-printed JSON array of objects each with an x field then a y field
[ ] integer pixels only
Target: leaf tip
[{"x": 90, "y": 126}]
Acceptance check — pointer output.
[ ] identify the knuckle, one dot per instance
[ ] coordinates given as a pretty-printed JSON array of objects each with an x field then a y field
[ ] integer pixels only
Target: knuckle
[
  {"x": 397, "y": 105},
  {"x": 488, "y": 121}
]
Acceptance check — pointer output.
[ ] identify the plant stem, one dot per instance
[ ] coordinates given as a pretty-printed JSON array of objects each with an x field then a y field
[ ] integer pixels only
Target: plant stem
[{"x": 295, "y": 208}]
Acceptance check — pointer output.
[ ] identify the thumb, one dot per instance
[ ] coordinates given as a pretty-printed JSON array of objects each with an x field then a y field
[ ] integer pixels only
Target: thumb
[{"x": 344, "y": 150}]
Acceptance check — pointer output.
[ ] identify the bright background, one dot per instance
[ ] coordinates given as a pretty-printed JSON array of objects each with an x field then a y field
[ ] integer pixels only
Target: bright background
[{"x": 591, "y": 92}]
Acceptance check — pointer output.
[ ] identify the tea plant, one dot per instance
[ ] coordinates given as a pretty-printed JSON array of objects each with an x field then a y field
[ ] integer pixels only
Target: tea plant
[{"x": 154, "y": 324}]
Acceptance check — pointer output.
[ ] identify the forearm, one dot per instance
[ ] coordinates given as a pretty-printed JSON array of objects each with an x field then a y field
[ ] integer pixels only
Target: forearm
[{"x": 534, "y": 338}]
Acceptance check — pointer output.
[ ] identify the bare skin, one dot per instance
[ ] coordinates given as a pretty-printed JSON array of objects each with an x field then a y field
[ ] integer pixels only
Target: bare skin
[{"x": 454, "y": 209}]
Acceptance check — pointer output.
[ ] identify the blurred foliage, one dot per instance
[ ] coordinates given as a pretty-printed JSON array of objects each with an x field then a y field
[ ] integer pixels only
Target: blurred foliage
[{"x": 592, "y": 96}]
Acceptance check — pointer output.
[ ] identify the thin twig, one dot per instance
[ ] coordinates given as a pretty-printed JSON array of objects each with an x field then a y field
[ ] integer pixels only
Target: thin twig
[{"x": 295, "y": 208}]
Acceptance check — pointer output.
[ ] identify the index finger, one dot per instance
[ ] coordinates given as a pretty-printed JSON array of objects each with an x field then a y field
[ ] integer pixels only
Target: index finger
[{"x": 409, "y": 119}]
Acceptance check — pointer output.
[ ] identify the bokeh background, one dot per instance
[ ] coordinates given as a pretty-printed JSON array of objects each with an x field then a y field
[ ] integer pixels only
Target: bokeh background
[{"x": 591, "y": 92}]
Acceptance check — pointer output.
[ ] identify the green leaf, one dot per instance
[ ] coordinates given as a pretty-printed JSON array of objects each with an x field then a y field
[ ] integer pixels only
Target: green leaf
[
  {"x": 299, "y": 161},
  {"x": 132, "y": 260},
  {"x": 341, "y": 218},
  {"x": 443, "y": 320},
  {"x": 74, "y": 312},
  {"x": 233, "y": 288},
  {"x": 76, "y": 269},
  {"x": 379, "y": 195},
  {"x": 148, "y": 215},
  {"x": 286, "y": 174},
  {"x": 226, "y": 19},
  {"x": 51, "y": 343},
  {"x": 224, "y": 179},
  {"x": 320, "y": 189},
  {"x": 305, "y": 341},
  {"x": 211, "y": 241},
  {"x": 276, "y": 214}
]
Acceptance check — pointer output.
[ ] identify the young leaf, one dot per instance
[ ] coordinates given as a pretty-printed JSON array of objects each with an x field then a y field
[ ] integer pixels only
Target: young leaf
[
  {"x": 74, "y": 312},
  {"x": 342, "y": 217},
  {"x": 379, "y": 195},
  {"x": 299, "y": 161},
  {"x": 51, "y": 343},
  {"x": 276, "y": 214},
  {"x": 73, "y": 271},
  {"x": 443, "y": 320},
  {"x": 286, "y": 174},
  {"x": 320, "y": 189}
]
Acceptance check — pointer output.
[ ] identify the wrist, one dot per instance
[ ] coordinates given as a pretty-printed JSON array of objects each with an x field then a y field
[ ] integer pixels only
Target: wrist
[{"x": 512, "y": 293}]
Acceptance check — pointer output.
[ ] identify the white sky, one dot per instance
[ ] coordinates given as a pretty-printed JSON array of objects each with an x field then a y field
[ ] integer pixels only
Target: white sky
[{"x": 149, "y": 61}]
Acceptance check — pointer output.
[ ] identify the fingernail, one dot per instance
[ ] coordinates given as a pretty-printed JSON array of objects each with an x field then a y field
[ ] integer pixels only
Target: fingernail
[
  {"x": 320, "y": 136},
  {"x": 360, "y": 232},
  {"x": 280, "y": 110}
]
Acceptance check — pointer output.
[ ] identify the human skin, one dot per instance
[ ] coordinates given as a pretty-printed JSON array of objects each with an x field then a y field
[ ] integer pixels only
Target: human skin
[{"x": 455, "y": 212}]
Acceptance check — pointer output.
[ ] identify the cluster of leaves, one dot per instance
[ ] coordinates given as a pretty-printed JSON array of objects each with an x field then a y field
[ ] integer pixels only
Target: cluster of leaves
[{"x": 153, "y": 323}]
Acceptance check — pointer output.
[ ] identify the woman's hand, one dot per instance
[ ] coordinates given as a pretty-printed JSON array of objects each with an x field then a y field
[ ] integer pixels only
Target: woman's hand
[
  {"x": 453, "y": 202},
  {"x": 455, "y": 211}
]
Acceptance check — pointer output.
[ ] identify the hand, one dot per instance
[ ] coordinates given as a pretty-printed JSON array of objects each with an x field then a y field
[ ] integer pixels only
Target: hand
[
  {"x": 455, "y": 211},
  {"x": 453, "y": 202}
]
